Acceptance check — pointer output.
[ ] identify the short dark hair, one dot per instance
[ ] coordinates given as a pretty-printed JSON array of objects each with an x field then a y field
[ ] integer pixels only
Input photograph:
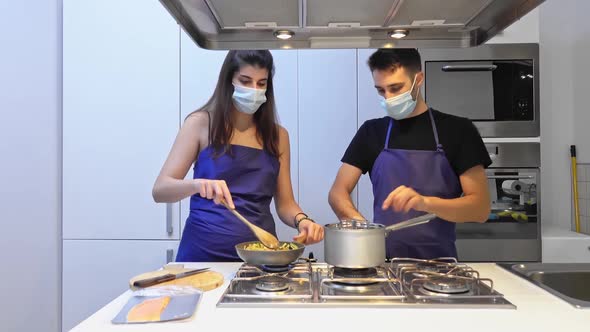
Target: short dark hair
[{"x": 394, "y": 58}]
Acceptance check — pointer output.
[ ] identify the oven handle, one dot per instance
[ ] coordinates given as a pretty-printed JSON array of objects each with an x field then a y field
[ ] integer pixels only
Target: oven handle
[
  {"x": 511, "y": 177},
  {"x": 453, "y": 68}
]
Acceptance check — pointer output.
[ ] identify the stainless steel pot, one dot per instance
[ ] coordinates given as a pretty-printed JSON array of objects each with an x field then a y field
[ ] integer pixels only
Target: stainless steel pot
[{"x": 361, "y": 244}]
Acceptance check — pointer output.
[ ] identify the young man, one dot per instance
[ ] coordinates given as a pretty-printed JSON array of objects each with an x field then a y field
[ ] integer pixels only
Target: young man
[{"x": 419, "y": 160}]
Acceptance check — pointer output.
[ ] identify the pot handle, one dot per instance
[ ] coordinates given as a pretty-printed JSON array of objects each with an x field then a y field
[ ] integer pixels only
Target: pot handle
[{"x": 410, "y": 222}]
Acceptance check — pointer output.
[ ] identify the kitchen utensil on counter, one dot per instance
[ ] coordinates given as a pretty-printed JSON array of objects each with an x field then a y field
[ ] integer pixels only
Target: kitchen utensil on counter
[
  {"x": 141, "y": 283},
  {"x": 265, "y": 237},
  {"x": 359, "y": 244},
  {"x": 204, "y": 280},
  {"x": 575, "y": 186},
  {"x": 269, "y": 257}
]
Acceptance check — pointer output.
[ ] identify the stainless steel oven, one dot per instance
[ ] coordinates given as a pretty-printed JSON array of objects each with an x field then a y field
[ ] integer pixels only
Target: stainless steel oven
[
  {"x": 512, "y": 232},
  {"x": 496, "y": 86}
]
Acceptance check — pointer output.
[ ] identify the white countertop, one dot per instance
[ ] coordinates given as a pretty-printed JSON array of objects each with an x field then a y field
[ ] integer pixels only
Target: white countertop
[
  {"x": 557, "y": 232},
  {"x": 536, "y": 311},
  {"x": 562, "y": 245}
]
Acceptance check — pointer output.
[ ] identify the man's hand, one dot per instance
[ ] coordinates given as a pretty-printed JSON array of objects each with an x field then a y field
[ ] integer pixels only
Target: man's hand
[{"x": 403, "y": 199}]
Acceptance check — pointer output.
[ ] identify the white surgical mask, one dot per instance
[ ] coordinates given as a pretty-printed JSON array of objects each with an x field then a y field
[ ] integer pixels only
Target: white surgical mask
[
  {"x": 399, "y": 107},
  {"x": 248, "y": 100}
]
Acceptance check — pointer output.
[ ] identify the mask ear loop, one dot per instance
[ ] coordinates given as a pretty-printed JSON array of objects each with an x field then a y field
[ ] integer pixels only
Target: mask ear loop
[{"x": 412, "y": 88}]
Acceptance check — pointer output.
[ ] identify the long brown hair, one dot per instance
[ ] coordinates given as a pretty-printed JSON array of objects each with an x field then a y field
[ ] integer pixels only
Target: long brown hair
[{"x": 220, "y": 103}]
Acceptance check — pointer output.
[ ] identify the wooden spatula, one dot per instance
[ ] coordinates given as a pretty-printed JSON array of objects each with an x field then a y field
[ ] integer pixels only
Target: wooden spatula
[{"x": 267, "y": 239}]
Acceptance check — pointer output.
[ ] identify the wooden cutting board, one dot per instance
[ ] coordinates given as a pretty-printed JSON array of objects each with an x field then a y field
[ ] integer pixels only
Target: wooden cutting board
[{"x": 205, "y": 281}]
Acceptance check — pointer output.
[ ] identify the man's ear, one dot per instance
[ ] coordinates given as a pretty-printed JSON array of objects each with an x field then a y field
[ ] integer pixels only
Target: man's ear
[{"x": 420, "y": 78}]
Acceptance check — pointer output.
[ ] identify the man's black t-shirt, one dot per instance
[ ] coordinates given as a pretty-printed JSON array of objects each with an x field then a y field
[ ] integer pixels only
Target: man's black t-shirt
[{"x": 460, "y": 139}]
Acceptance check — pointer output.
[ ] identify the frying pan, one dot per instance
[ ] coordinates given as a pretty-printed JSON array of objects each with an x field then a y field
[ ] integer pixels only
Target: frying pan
[{"x": 269, "y": 257}]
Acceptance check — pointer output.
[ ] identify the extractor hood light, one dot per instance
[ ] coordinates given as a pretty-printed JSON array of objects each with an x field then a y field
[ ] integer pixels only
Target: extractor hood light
[
  {"x": 398, "y": 34},
  {"x": 284, "y": 34}
]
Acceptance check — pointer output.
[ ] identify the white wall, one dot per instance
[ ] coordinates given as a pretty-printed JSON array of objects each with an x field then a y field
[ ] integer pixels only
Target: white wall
[
  {"x": 30, "y": 146},
  {"x": 525, "y": 30},
  {"x": 564, "y": 40},
  {"x": 580, "y": 76}
]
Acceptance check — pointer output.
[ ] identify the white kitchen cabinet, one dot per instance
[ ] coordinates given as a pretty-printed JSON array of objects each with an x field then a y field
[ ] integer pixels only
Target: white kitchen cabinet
[
  {"x": 327, "y": 122},
  {"x": 368, "y": 108},
  {"x": 97, "y": 271},
  {"x": 286, "y": 91},
  {"x": 120, "y": 117}
]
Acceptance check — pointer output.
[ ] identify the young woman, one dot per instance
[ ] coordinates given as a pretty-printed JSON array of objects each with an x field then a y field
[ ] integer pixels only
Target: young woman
[{"x": 241, "y": 155}]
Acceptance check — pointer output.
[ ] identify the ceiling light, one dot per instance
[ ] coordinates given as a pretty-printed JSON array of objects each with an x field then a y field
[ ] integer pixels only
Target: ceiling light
[
  {"x": 284, "y": 34},
  {"x": 398, "y": 33}
]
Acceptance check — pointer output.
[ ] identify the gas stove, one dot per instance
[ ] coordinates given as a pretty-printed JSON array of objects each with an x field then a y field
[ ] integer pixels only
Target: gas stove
[{"x": 401, "y": 282}]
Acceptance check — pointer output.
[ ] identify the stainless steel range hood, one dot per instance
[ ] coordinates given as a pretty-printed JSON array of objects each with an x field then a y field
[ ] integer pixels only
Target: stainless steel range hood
[{"x": 255, "y": 24}]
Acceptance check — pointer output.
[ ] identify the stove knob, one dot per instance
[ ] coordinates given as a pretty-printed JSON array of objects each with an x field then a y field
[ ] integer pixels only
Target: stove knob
[{"x": 311, "y": 258}]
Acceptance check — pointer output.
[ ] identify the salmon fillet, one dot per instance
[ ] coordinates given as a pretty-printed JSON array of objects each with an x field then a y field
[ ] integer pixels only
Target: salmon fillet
[{"x": 148, "y": 310}]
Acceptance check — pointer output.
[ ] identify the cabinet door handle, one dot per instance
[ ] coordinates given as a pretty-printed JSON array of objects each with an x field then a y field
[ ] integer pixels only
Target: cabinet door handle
[
  {"x": 493, "y": 150},
  {"x": 452, "y": 68},
  {"x": 169, "y": 226},
  {"x": 510, "y": 177},
  {"x": 169, "y": 256}
]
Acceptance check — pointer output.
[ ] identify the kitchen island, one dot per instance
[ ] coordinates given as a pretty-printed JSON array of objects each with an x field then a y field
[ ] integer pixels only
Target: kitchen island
[{"x": 536, "y": 311}]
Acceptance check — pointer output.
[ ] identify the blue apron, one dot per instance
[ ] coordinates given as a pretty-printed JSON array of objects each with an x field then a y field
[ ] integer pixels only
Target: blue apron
[
  {"x": 430, "y": 174},
  {"x": 211, "y": 231}
]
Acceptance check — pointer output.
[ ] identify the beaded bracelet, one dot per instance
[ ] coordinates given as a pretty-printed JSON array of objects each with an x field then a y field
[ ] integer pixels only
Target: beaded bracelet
[
  {"x": 295, "y": 218},
  {"x": 297, "y": 222}
]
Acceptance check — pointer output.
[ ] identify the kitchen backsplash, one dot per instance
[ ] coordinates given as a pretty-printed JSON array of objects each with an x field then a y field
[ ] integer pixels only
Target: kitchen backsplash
[{"x": 584, "y": 197}]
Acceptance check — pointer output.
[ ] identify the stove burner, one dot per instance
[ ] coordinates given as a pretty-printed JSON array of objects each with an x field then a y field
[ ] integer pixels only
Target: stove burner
[
  {"x": 428, "y": 266},
  {"x": 272, "y": 284},
  {"x": 351, "y": 274},
  {"x": 422, "y": 270},
  {"x": 353, "y": 288},
  {"x": 341, "y": 272},
  {"x": 276, "y": 268},
  {"x": 447, "y": 285}
]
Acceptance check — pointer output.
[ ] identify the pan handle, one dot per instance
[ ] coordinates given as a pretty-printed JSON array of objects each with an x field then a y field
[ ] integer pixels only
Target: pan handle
[{"x": 410, "y": 222}]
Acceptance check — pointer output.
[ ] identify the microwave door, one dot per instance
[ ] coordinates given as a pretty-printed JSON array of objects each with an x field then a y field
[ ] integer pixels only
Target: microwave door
[{"x": 461, "y": 88}]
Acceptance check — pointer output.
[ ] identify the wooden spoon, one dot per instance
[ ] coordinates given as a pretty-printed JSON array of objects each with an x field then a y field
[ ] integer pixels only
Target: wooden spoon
[{"x": 267, "y": 239}]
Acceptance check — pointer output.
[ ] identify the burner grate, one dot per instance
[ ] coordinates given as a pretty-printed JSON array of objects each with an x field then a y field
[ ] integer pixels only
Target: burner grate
[{"x": 273, "y": 284}]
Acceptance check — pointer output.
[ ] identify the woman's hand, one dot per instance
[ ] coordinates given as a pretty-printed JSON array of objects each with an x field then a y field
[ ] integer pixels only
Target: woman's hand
[
  {"x": 215, "y": 190},
  {"x": 309, "y": 232}
]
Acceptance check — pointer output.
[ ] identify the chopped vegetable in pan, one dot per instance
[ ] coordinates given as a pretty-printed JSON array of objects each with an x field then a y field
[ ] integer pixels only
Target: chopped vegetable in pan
[{"x": 257, "y": 246}]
